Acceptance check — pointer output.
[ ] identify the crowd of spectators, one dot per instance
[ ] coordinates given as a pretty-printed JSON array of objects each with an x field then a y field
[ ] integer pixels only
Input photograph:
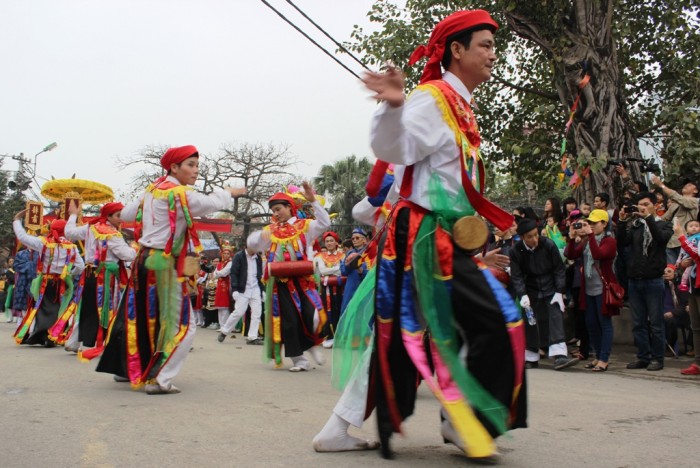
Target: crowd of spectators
[{"x": 648, "y": 245}]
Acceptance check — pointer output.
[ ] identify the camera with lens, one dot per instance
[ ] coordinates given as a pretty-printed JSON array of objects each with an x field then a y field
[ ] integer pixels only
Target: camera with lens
[
  {"x": 646, "y": 166},
  {"x": 578, "y": 225},
  {"x": 630, "y": 209}
]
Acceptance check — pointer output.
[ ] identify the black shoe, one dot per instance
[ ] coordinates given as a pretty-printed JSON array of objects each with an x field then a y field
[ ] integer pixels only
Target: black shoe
[
  {"x": 655, "y": 365},
  {"x": 562, "y": 362},
  {"x": 531, "y": 364},
  {"x": 256, "y": 341},
  {"x": 638, "y": 364},
  {"x": 221, "y": 337}
]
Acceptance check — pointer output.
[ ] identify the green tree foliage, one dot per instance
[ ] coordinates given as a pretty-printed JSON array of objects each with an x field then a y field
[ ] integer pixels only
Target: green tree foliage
[
  {"x": 11, "y": 202},
  {"x": 343, "y": 185},
  {"x": 641, "y": 56}
]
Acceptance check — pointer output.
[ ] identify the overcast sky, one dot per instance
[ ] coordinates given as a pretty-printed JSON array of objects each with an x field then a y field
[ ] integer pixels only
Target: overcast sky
[{"x": 107, "y": 78}]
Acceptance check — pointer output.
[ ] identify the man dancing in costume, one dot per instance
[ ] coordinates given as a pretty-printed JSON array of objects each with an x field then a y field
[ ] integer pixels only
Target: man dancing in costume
[
  {"x": 294, "y": 316},
  {"x": 434, "y": 135},
  {"x": 103, "y": 279},
  {"x": 153, "y": 331},
  {"x": 46, "y": 322}
]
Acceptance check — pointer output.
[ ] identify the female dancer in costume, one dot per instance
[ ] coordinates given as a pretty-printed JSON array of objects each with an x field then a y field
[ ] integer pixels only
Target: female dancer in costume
[
  {"x": 46, "y": 322},
  {"x": 295, "y": 315},
  {"x": 103, "y": 279},
  {"x": 327, "y": 265}
]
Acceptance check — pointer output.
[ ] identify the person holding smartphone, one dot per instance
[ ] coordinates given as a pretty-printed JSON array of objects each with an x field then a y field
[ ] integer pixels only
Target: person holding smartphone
[{"x": 597, "y": 249}]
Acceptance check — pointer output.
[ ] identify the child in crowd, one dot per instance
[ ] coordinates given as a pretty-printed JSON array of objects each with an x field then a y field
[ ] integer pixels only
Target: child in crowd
[{"x": 692, "y": 229}]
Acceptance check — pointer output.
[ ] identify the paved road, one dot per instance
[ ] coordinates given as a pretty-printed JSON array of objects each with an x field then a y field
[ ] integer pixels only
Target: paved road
[{"x": 237, "y": 411}]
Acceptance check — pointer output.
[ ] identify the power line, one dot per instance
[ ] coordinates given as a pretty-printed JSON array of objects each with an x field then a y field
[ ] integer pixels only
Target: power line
[
  {"x": 341, "y": 46},
  {"x": 310, "y": 39}
]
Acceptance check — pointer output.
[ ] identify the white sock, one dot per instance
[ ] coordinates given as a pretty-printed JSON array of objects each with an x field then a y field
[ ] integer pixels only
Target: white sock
[{"x": 334, "y": 437}]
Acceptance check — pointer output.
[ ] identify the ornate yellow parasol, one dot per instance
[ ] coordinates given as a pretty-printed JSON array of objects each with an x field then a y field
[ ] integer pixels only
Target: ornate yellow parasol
[{"x": 88, "y": 191}]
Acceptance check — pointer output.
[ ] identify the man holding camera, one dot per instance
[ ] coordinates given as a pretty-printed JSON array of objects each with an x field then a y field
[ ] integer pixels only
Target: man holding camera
[
  {"x": 683, "y": 207},
  {"x": 647, "y": 236}
]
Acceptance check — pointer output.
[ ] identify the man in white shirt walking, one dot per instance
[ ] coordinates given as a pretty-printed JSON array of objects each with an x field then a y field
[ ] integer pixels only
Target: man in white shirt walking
[{"x": 246, "y": 271}]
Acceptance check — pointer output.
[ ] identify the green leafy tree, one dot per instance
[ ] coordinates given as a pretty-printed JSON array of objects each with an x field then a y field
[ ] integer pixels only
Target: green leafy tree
[
  {"x": 11, "y": 202},
  {"x": 641, "y": 57},
  {"x": 343, "y": 185}
]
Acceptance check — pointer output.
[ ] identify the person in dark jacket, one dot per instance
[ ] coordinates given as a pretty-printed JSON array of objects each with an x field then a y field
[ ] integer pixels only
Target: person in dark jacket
[
  {"x": 647, "y": 236},
  {"x": 538, "y": 278},
  {"x": 246, "y": 290}
]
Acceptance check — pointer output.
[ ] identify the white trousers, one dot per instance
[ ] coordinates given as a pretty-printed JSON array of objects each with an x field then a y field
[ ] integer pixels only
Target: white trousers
[
  {"x": 74, "y": 337},
  {"x": 239, "y": 311},
  {"x": 353, "y": 401},
  {"x": 223, "y": 315},
  {"x": 177, "y": 360}
]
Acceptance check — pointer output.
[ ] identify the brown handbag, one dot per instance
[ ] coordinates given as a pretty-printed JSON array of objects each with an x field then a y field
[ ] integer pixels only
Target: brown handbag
[{"x": 613, "y": 296}]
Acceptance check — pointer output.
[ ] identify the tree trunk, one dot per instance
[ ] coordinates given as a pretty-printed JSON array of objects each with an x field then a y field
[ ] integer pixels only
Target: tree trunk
[{"x": 601, "y": 128}]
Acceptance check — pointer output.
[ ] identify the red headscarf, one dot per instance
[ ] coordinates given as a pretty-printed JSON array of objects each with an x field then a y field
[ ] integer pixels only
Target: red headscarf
[
  {"x": 332, "y": 234},
  {"x": 107, "y": 210},
  {"x": 435, "y": 49},
  {"x": 57, "y": 227},
  {"x": 281, "y": 197},
  {"x": 177, "y": 155}
]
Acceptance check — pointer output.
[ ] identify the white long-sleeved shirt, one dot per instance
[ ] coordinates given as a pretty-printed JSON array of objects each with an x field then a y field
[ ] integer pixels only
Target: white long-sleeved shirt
[
  {"x": 117, "y": 248},
  {"x": 156, "y": 224},
  {"x": 417, "y": 134},
  {"x": 252, "y": 287},
  {"x": 59, "y": 256},
  {"x": 316, "y": 227},
  {"x": 224, "y": 271}
]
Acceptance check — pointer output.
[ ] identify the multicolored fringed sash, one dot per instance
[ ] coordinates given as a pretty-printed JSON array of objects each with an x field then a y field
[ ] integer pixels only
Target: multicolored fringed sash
[
  {"x": 110, "y": 284},
  {"x": 428, "y": 261},
  {"x": 165, "y": 311}
]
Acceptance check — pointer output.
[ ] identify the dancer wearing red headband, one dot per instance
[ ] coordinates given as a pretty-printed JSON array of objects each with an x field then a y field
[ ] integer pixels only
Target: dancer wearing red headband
[
  {"x": 433, "y": 297},
  {"x": 294, "y": 316},
  {"x": 327, "y": 265},
  {"x": 52, "y": 289},
  {"x": 103, "y": 279},
  {"x": 154, "y": 327}
]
